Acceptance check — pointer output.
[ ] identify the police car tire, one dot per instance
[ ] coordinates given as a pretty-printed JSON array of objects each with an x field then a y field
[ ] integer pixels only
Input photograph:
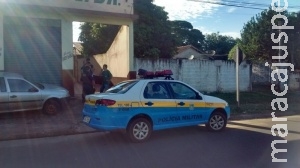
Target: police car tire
[
  {"x": 217, "y": 122},
  {"x": 139, "y": 127}
]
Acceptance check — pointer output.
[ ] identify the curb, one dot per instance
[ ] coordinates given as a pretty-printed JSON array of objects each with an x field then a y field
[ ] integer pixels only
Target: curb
[
  {"x": 83, "y": 129},
  {"x": 267, "y": 114}
]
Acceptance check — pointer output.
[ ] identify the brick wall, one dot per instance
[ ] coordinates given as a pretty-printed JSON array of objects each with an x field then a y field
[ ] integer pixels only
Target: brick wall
[{"x": 204, "y": 75}]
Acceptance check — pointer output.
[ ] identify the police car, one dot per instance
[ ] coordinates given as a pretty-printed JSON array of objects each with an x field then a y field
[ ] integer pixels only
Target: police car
[{"x": 143, "y": 105}]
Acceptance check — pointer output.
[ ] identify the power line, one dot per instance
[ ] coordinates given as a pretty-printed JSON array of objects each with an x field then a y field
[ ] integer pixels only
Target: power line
[
  {"x": 226, "y": 4},
  {"x": 248, "y": 5}
]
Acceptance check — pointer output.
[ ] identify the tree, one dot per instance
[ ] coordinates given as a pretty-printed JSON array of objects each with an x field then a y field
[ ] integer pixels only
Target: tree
[
  {"x": 219, "y": 43},
  {"x": 152, "y": 31},
  {"x": 232, "y": 53},
  {"x": 256, "y": 40},
  {"x": 97, "y": 37},
  {"x": 184, "y": 34},
  {"x": 294, "y": 39}
]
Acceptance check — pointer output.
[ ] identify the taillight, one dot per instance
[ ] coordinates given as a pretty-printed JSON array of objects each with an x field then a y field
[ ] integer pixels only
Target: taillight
[{"x": 105, "y": 102}]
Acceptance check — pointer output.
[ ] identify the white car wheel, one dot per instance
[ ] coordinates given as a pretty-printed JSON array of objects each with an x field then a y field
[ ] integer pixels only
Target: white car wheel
[
  {"x": 216, "y": 122},
  {"x": 139, "y": 130}
]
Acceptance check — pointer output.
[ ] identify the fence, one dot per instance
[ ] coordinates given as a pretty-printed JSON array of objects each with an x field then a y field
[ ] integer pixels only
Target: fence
[{"x": 204, "y": 75}]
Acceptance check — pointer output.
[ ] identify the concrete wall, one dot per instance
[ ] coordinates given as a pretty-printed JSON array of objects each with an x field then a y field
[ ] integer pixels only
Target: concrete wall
[
  {"x": 261, "y": 74},
  {"x": 208, "y": 76},
  {"x": 117, "y": 57},
  {"x": 294, "y": 81}
]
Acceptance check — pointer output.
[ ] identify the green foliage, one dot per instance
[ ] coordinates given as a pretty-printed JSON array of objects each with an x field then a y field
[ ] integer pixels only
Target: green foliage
[
  {"x": 96, "y": 37},
  {"x": 154, "y": 35},
  {"x": 152, "y": 31},
  {"x": 232, "y": 53},
  {"x": 294, "y": 39},
  {"x": 219, "y": 43},
  {"x": 256, "y": 40},
  {"x": 184, "y": 34}
]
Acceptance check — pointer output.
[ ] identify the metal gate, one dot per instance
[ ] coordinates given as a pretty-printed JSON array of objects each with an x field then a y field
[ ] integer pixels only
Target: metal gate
[{"x": 32, "y": 47}]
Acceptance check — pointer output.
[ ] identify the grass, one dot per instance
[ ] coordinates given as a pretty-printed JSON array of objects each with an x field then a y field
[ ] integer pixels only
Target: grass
[{"x": 259, "y": 100}]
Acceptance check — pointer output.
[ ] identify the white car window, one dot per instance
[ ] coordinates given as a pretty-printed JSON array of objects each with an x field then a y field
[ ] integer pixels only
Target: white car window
[
  {"x": 156, "y": 90},
  {"x": 122, "y": 87},
  {"x": 2, "y": 85},
  {"x": 18, "y": 85},
  {"x": 181, "y": 91}
]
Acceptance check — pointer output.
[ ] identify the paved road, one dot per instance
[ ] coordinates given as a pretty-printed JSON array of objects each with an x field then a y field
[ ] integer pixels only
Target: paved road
[{"x": 243, "y": 144}]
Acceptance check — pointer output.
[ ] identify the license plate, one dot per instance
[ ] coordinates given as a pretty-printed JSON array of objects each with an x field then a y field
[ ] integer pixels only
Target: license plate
[{"x": 86, "y": 119}]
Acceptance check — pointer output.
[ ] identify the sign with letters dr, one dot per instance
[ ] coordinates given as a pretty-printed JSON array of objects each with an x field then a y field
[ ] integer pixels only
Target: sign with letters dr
[{"x": 113, "y": 6}]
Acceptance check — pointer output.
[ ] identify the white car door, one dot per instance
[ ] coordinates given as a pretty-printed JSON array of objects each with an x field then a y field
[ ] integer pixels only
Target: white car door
[
  {"x": 4, "y": 100},
  {"x": 189, "y": 103},
  {"x": 159, "y": 104},
  {"x": 23, "y": 95}
]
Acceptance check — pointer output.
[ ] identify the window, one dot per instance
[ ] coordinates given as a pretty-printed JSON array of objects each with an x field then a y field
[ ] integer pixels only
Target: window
[
  {"x": 122, "y": 87},
  {"x": 182, "y": 91},
  {"x": 2, "y": 85},
  {"x": 18, "y": 85},
  {"x": 156, "y": 90}
]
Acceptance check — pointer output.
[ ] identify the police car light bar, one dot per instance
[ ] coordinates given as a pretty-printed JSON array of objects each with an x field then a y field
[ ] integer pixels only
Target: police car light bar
[{"x": 150, "y": 75}]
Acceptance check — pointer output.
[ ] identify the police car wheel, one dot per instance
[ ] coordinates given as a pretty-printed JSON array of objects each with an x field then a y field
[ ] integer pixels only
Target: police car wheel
[
  {"x": 216, "y": 122},
  {"x": 139, "y": 130}
]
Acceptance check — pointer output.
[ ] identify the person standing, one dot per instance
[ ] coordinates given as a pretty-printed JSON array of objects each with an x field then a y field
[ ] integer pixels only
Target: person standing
[
  {"x": 87, "y": 79},
  {"x": 106, "y": 78}
]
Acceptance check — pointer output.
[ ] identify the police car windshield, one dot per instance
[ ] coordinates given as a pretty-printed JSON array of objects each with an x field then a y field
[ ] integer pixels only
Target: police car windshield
[{"x": 122, "y": 87}]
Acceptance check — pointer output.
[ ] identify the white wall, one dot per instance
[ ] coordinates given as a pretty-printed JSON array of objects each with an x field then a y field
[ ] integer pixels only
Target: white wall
[
  {"x": 209, "y": 76},
  {"x": 117, "y": 57},
  {"x": 294, "y": 81},
  {"x": 67, "y": 45}
]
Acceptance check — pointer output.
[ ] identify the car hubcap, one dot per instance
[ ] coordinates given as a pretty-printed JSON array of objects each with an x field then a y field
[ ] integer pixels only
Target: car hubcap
[
  {"x": 216, "y": 122},
  {"x": 140, "y": 130}
]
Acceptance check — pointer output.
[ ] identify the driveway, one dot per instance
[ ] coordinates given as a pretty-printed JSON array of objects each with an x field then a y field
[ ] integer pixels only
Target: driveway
[{"x": 34, "y": 124}]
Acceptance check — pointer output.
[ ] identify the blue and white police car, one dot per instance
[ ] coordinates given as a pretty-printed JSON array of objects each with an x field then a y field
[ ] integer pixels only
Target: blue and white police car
[{"x": 143, "y": 105}]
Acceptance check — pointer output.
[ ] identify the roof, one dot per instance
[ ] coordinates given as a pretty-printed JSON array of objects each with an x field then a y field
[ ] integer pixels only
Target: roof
[
  {"x": 183, "y": 48},
  {"x": 190, "y": 52}
]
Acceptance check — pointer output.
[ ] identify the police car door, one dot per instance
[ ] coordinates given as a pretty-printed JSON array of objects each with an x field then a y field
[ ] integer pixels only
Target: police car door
[
  {"x": 189, "y": 103},
  {"x": 159, "y": 104}
]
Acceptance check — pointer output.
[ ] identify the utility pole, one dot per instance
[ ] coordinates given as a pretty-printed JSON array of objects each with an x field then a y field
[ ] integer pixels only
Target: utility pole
[{"x": 237, "y": 63}]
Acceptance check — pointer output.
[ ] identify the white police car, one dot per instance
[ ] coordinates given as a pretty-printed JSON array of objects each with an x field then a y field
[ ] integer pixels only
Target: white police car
[{"x": 143, "y": 105}]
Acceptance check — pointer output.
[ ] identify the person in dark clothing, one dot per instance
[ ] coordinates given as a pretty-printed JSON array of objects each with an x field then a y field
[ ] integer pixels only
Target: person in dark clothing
[
  {"x": 87, "y": 79},
  {"x": 106, "y": 79}
]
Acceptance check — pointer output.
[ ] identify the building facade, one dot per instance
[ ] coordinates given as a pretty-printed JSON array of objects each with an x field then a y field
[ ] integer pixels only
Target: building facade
[{"x": 36, "y": 36}]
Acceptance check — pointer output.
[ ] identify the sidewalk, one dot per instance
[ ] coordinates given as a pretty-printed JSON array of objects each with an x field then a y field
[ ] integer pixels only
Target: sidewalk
[{"x": 34, "y": 124}]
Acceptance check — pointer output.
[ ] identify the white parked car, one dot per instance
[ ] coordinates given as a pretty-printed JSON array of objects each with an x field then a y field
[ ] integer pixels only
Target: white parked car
[{"x": 19, "y": 94}]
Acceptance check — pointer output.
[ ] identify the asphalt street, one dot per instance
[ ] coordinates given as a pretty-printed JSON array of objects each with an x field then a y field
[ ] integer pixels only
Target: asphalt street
[{"x": 245, "y": 143}]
